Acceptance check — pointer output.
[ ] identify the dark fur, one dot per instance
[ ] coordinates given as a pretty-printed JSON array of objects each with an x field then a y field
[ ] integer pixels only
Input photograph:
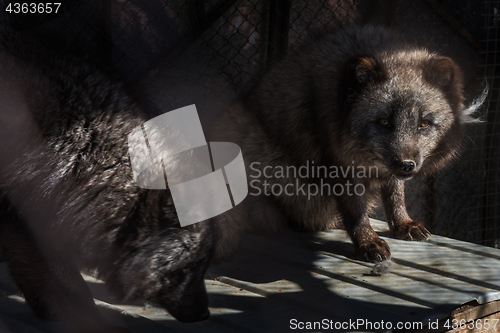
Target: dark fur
[
  {"x": 68, "y": 200},
  {"x": 323, "y": 103}
]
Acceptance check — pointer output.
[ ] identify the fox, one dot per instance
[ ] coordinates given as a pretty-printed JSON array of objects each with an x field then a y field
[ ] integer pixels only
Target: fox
[
  {"x": 68, "y": 201},
  {"x": 360, "y": 109},
  {"x": 364, "y": 107}
]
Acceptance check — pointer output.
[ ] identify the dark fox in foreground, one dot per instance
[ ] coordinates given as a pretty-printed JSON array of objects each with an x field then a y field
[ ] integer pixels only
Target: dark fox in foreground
[
  {"x": 362, "y": 98},
  {"x": 68, "y": 200}
]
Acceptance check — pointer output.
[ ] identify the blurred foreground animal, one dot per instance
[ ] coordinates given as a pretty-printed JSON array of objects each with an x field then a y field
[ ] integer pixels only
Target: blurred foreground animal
[{"x": 68, "y": 200}]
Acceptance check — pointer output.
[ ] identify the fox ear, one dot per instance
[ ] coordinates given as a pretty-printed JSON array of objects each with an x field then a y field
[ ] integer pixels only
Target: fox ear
[
  {"x": 440, "y": 72},
  {"x": 362, "y": 71},
  {"x": 443, "y": 73},
  {"x": 358, "y": 73}
]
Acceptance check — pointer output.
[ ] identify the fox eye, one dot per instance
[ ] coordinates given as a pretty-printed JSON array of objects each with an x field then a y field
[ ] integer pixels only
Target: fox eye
[
  {"x": 424, "y": 124},
  {"x": 384, "y": 122}
]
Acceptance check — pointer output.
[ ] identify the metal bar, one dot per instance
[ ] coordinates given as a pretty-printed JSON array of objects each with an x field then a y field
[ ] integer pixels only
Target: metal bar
[
  {"x": 492, "y": 139},
  {"x": 279, "y": 24},
  {"x": 106, "y": 35},
  {"x": 431, "y": 204},
  {"x": 201, "y": 15}
]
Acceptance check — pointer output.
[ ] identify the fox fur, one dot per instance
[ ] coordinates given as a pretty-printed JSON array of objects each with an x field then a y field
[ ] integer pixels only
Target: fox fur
[
  {"x": 68, "y": 201},
  {"x": 360, "y": 97}
]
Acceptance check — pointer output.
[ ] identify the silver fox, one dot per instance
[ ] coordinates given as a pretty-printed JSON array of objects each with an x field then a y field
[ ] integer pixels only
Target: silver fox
[
  {"x": 68, "y": 200},
  {"x": 361, "y": 97}
]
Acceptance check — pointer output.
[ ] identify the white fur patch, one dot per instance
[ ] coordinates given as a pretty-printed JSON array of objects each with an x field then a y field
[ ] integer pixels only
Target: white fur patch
[
  {"x": 474, "y": 107},
  {"x": 382, "y": 267}
]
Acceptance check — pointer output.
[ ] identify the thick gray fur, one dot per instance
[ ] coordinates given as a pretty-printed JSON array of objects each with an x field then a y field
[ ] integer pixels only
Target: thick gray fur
[{"x": 358, "y": 96}]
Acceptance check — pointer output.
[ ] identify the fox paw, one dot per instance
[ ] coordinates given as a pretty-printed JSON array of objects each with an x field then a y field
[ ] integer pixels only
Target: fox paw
[
  {"x": 376, "y": 250},
  {"x": 410, "y": 231}
]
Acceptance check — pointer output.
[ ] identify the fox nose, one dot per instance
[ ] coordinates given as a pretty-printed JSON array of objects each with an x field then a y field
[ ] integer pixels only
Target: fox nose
[{"x": 407, "y": 166}]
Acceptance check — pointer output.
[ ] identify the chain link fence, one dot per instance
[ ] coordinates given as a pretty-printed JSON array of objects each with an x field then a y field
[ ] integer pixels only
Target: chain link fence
[{"x": 174, "y": 52}]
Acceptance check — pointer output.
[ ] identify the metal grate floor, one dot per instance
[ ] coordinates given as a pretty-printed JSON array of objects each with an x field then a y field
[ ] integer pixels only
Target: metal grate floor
[{"x": 270, "y": 282}]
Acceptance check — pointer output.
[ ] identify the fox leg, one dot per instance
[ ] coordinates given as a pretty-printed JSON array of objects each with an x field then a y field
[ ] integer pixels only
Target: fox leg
[
  {"x": 400, "y": 223},
  {"x": 367, "y": 243}
]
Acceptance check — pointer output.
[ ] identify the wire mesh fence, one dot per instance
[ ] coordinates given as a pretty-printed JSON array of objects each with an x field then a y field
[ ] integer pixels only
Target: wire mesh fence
[{"x": 223, "y": 46}]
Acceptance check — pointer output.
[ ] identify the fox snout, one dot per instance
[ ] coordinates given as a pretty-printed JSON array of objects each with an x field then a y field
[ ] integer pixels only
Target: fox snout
[
  {"x": 404, "y": 157},
  {"x": 407, "y": 166}
]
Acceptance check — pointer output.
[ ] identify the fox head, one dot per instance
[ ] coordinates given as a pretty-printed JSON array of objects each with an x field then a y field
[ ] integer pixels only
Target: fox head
[
  {"x": 168, "y": 269},
  {"x": 404, "y": 111}
]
